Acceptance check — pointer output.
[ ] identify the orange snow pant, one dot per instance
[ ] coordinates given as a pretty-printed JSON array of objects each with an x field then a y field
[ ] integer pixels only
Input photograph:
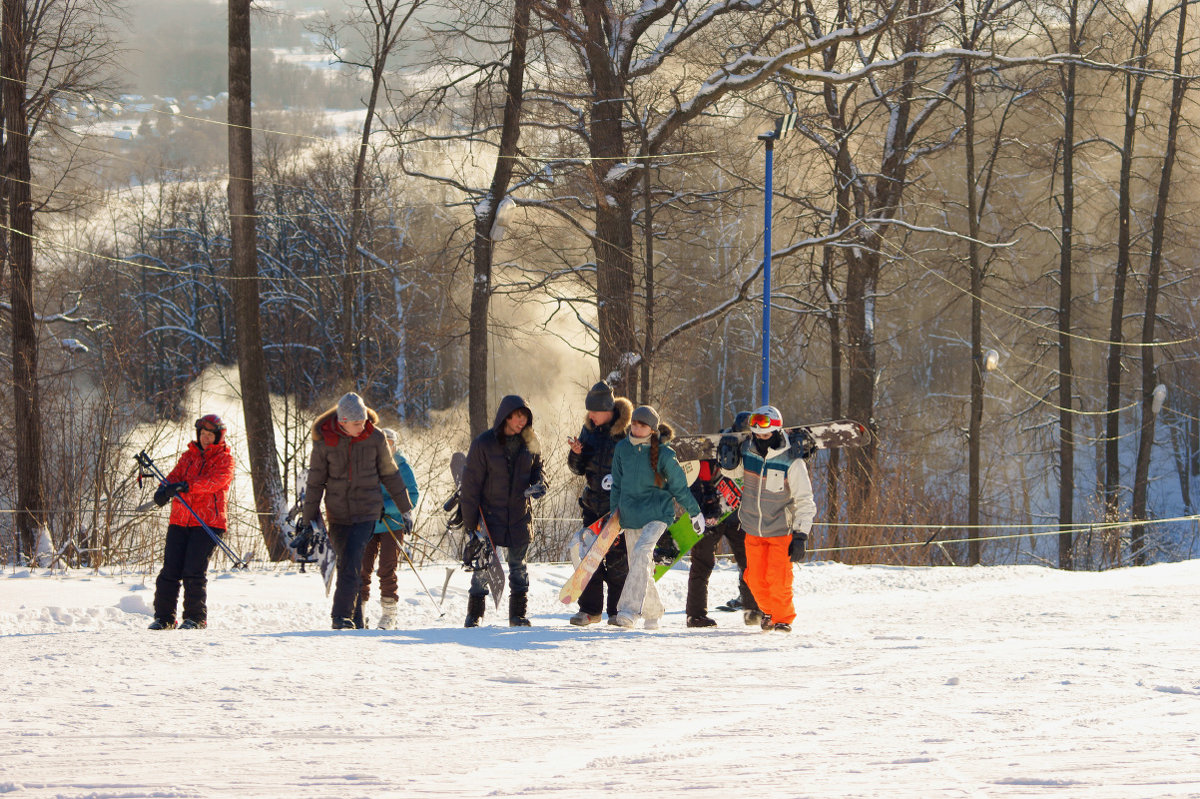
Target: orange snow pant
[{"x": 769, "y": 576}]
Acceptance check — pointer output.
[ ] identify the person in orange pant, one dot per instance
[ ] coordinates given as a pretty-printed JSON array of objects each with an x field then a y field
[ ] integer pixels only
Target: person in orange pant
[{"x": 776, "y": 513}]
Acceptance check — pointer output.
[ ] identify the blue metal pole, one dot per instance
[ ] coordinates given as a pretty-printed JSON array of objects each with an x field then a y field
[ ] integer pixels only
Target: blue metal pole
[{"x": 769, "y": 141}]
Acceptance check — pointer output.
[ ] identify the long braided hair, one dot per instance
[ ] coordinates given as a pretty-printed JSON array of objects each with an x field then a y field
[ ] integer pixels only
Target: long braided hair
[{"x": 654, "y": 442}]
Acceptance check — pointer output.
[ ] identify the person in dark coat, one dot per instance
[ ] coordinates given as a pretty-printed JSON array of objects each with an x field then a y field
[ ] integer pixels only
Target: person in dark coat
[
  {"x": 704, "y": 553},
  {"x": 590, "y": 457},
  {"x": 350, "y": 458},
  {"x": 503, "y": 473},
  {"x": 201, "y": 479}
]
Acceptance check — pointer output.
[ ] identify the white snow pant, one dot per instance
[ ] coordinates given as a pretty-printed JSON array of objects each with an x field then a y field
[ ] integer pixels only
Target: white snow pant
[{"x": 640, "y": 596}]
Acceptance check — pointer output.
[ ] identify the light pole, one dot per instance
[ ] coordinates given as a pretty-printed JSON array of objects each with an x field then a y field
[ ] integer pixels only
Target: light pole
[{"x": 783, "y": 125}]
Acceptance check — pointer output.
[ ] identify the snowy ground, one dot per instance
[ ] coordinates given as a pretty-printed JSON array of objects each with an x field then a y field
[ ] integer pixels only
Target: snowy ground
[{"x": 915, "y": 682}]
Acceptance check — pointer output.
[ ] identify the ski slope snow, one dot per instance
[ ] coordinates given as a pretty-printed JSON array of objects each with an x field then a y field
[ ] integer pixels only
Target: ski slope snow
[{"x": 1010, "y": 681}]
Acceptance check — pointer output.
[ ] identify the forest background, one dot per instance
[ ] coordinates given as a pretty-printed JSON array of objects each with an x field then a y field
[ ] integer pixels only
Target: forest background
[{"x": 982, "y": 246}]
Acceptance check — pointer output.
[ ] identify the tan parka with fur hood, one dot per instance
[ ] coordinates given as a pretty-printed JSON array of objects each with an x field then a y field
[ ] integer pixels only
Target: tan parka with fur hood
[{"x": 347, "y": 472}]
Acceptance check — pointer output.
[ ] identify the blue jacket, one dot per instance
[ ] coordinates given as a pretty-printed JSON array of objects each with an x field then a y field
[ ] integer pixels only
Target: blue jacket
[{"x": 391, "y": 513}]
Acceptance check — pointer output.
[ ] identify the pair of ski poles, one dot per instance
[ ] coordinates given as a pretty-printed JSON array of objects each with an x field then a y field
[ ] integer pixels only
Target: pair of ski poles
[{"x": 149, "y": 469}]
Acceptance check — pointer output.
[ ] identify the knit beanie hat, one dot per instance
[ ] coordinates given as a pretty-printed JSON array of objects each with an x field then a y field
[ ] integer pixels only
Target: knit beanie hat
[
  {"x": 351, "y": 408},
  {"x": 600, "y": 398},
  {"x": 646, "y": 415}
]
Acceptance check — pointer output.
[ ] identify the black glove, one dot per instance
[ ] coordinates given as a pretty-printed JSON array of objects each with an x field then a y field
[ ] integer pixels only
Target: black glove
[
  {"x": 163, "y": 494},
  {"x": 536, "y": 491},
  {"x": 409, "y": 524},
  {"x": 796, "y": 548},
  {"x": 666, "y": 550},
  {"x": 179, "y": 488}
]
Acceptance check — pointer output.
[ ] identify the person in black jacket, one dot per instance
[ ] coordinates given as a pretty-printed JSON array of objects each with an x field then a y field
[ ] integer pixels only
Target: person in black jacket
[
  {"x": 503, "y": 473},
  {"x": 591, "y": 458},
  {"x": 704, "y": 553}
]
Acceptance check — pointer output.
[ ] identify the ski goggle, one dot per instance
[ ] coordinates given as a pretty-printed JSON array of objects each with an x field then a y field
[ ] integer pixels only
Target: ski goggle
[{"x": 763, "y": 421}]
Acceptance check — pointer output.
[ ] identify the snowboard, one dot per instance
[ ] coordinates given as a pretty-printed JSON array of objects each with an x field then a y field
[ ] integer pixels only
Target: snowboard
[
  {"x": 494, "y": 575},
  {"x": 685, "y": 538},
  {"x": 315, "y": 548},
  {"x": 807, "y": 438},
  {"x": 607, "y": 528}
]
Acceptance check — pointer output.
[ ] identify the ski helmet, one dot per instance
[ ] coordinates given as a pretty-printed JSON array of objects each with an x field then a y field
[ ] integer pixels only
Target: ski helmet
[
  {"x": 213, "y": 424},
  {"x": 765, "y": 419}
]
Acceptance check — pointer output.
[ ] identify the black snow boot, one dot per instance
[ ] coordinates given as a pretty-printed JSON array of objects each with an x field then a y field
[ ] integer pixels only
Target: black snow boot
[
  {"x": 517, "y": 606},
  {"x": 162, "y": 624},
  {"x": 474, "y": 610}
]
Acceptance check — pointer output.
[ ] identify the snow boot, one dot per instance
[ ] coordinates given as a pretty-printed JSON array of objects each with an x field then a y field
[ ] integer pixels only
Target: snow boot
[
  {"x": 474, "y": 611},
  {"x": 343, "y": 624},
  {"x": 781, "y": 627},
  {"x": 387, "y": 619},
  {"x": 518, "y": 605},
  {"x": 700, "y": 621},
  {"x": 193, "y": 624},
  {"x": 582, "y": 619},
  {"x": 162, "y": 624},
  {"x": 752, "y": 617},
  {"x": 623, "y": 619},
  {"x": 732, "y": 605},
  {"x": 766, "y": 623}
]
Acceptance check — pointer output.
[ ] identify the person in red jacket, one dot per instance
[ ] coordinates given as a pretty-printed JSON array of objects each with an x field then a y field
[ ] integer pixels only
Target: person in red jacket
[{"x": 200, "y": 478}]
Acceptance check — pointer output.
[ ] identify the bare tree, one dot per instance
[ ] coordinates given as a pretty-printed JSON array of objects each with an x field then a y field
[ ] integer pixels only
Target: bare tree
[
  {"x": 380, "y": 25},
  {"x": 1150, "y": 407},
  {"x": 269, "y": 498},
  {"x": 31, "y": 516}
]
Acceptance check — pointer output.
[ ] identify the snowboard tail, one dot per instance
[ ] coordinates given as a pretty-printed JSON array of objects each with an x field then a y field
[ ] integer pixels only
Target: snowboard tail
[{"x": 607, "y": 528}]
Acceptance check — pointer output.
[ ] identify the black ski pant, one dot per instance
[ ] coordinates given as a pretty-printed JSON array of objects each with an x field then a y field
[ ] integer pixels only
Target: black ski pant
[
  {"x": 612, "y": 571},
  {"x": 185, "y": 561},
  {"x": 349, "y": 542},
  {"x": 704, "y": 558}
]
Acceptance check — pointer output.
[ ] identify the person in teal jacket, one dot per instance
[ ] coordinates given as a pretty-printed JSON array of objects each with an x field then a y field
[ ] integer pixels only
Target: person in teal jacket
[
  {"x": 647, "y": 481},
  {"x": 389, "y": 534}
]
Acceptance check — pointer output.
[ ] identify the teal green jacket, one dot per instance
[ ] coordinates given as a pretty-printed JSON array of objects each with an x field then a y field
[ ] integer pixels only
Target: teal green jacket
[{"x": 634, "y": 494}]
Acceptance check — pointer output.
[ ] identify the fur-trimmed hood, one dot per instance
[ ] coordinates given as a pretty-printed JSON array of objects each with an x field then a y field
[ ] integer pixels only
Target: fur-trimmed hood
[
  {"x": 326, "y": 427},
  {"x": 508, "y": 404},
  {"x": 622, "y": 411}
]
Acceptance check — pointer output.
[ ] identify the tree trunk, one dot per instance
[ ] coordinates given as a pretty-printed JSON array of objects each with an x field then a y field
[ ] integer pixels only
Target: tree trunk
[
  {"x": 27, "y": 420},
  {"x": 1137, "y": 541},
  {"x": 256, "y": 404},
  {"x": 613, "y": 242},
  {"x": 1066, "y": 416},
  {"x": 975, "y": 426},
  {"x": 485, "y": 220},
  {"x": 1112, "y": 419}
]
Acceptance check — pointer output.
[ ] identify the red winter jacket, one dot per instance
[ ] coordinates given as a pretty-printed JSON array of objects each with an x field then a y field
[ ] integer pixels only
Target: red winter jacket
[{"x": 208, "y": 473}]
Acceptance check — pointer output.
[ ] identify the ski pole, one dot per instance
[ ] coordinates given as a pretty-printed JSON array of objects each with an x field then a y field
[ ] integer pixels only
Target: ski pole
[
  {"x": 146, "y": 463},
  {"x": 408, "y": 560}
]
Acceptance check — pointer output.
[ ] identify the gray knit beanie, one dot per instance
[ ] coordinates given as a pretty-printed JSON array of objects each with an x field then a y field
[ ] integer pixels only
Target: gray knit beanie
[
  {"x": 351, "y": 408},
  {"x": 646, "y": 415},
  {"x": 600, "y": 398}
]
